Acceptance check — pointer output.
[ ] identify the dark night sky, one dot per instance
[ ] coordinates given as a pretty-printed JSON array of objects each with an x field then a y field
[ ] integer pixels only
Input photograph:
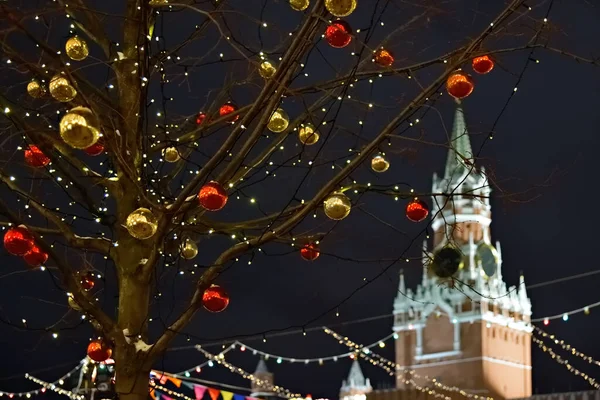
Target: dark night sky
[{"x": 546, "y": 143}]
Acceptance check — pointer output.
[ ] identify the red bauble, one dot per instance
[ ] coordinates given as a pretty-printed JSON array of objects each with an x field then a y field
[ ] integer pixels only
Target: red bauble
[
  {"x": 460, "y": 85},
  {"x": 417, "y": 210},
  {"x": 18, "y": 241},
  {"x": 99, "y": 351},
  {"x": 227, "y": 109},
  {"x": 215, "y": 299},
  {"x": 35, "y": 158},
  {"x": 35, "y": 257},
  {"x": 200, "y": 118},
  {"x": 338, "y": 34},
  {"x": 483, "y": 64},
  {"x": 384, "y": 58},
  {"x": 212, "y": 196},
  {"x": 87, "y": 281},
  {"x": 310, "y": 252},
  {"x": 95, "y": 149}
]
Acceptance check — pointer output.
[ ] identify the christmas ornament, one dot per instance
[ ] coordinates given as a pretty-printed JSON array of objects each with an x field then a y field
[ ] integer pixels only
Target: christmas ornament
[
  {"x": 417, "y": 210},
  {"x": 73, "y": 304},
  {"x": 308, "y": 135},
  {"x": 79, "y": 128},
  {"x": 158, "y": 3},
  {"x": 379, "y": 163},
  {"x": 227, "y": 109},
  {"x": 99, "y": 351},
  {"x": 267, "y": 69},
  {"x": 35, "y": 158},
  {"x": 171, "y": 154},
  {"x": 77, "y": 48},
  {"x": 446, "y": 262},
  {"x": 87, "y": 281},
  {"x": 384, "y": 58},
  {"x": 61, "y": 89},
  {"x": 338, "y": 34},
  {"x": 212, "y": 196},
  {"x": 299, "y": 5},
  {"x": 337, "y": 206},
  {"x": 141, "y": 224},
  {"x": 35, "y": 257},
  {"x": 460, "y": 84},
  {"x": 340, "y": 8},
  {"x": 279, "y": 121},
  {"x": 215, "y": 299},
  {"x": 96, "y": 149},
  {"x": 482, "y": 65},
  {"x": 18, "y": 241},
  {"x": 310, "y": 252},
  {"x": 36, "y": 89},
  {"x": 200, "y": 118},
  {"x": 189, "y": 249}
]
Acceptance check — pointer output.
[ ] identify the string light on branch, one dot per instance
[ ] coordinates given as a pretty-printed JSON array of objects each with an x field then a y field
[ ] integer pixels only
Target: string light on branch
[
  {"x": 340, "y": 8},
  {"x": 215, "y": 299},
  {"x": 212, "y": 196},
  {"x": 267, "y": 69},
  {"x": 61, "y": 89},
  {"x": 34, "y": 157},
  {"x": 142, "y": 223},
  {"x": 310, "y": 251},
  {"x": 76, "y": 48},
  {"x": 35, "y": 89},
  {"x": 299, "y": 5},
  {"x": 79, "y": 128},
  {"x": 459, "y": 84},
  {"x": 338, "y": 34},
  {"x": 18, "y": 241},
  {"x": 308, "y": 134},
  {"x": 99, "y": 351},
  {"x": 337, "y": 206},
  {"x": 73, "y": 304},
  {"x": 379, "y": 163},
  {"x": 417, "y": 210},
  {"x": 482, "y": 65},
  {"x": 171, "y": 154},
  {"x": 383, "y": 58}
]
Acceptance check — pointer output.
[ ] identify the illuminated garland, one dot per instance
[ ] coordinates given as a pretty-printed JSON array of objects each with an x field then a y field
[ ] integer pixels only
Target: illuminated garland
[
  {"x": 567, "y": 347},
  {"x": 187, "y": 373},
  {"x": 170, "y": 392},
  {"x": 566, "y": 363},
  {"x": 565, "y": 316},
  {"x": 54, "y": 388}
]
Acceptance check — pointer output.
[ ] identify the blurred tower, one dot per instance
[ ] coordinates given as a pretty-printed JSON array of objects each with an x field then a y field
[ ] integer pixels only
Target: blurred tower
[
  {"x": 356, "y": 386},
  {"x": 262, "y": 373}
]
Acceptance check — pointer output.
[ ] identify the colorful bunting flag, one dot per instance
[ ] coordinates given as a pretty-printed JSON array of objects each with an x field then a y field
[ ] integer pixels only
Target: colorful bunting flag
[
  {"x": 239, "y": 397},
  {"x": 199, "y": 390},
  {"x": 226, "y": 395},
  {"x": 214, "y": 393}
]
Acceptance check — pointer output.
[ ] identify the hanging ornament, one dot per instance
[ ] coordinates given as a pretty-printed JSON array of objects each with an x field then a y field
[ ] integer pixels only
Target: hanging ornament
[
  {"x": 35, "y": 89},
  {"x": 337, "y": 206},
  {"x": 267, "y": 69},
  {"x": 310, "y": 252},
  {"x": 299, "y": 5},
  {"x": 379, "y": 163},
  {"x": 35, "y": 158},
  {"x": 340, "y": 8},
  {"x": 417, "y": 210},
  {"x": 158, "y": 3},
  {"x": 212, "y": 196},
  {"x": 384, "y": 58},
  {"x": 73, "y": 304},
  {"x": 141, "y": 224},
  {"x": 308, "y": 135},
  {"x": 99, "y": 351},
  {"x": 460, "y": 84},
  {"x": 87, "y": 281},
  {"x": 279, "y": 121},
  {"x": 227, "y": 109},
  {"x": 338, "y": 34},
  {"x": 482, "y": 65},
  {"x": 189, "y": 249},
  {"x": 79, "y": 128},
  {"x": 215, "y": 299},
  {"x": 171, "y": 154},
  {"x": 35, "y": 257},
  {"x": 200, "y": 118},
  {"x": 96, "y": 149},
  {"x": 446, "y": 262},
  {"x": 77, "y": 48},
  {"x": 61, "y": 89},
  {"x": 18, "y": 241}
]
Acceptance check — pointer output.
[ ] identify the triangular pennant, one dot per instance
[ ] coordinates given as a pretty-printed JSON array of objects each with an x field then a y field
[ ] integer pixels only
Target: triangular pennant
[
  {"x": 199, "y": 390},
  {"x": 176, "y": 381},
  {"x": 251, "y": 398},
  {"x": 154, "y": 394},
  {"x": 188, "y": 385},
  {"x": 239, "y": 397},
  {"x": 163, "y": 397},
  {"x": 226, "y": 395},
  {"x": 214, "y": 393}
]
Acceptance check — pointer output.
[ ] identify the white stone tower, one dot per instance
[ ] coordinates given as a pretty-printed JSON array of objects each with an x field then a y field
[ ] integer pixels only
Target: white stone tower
[{"x": 356, "y": 386}]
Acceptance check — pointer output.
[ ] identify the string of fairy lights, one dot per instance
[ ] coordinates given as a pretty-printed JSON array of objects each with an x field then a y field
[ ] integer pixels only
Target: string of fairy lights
[
  {"x": 566, "y": 346},
  {"x": 51, "y": 386}
]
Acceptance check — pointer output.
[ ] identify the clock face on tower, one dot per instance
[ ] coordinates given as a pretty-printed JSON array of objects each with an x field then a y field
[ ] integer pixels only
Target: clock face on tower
[{"x": 488, "y": 256}]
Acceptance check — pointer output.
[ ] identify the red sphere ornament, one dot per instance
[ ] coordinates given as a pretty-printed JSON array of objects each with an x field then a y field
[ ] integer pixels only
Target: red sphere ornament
[
  {"x": 99, "y": 351},
  {"x": 87, "y": 281},
  {"x": 35, "y": 158},
  {"x": 227, "y": 109},
  {"x": 215, "y": 299},
  {"x": 338, "y": 34},
  {"x": 417, "y": 210},
  {"x": 35, "y": 257},
  {"x": 96, "y": 149},
  {"x": 460, "y": 85},
  {"x": 310, "y": 252},
  {"x": 200, "y": 118},
  {"x": 483, "y": 65},
  {"x": 18, "y": 241},
  {"x": 384, "y": 58},
  {"x": 212, "y": 196}
]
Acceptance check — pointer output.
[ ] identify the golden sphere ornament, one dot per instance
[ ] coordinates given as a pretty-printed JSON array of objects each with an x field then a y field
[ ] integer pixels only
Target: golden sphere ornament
[
  {"x": 79, "y": 128},
  {"x": 299, "y": 5},
  {"x": 337, "y": 206},
  {"x": 379, "y": 163},
  {"x": 267, "y": 69},
  {"x": 141, "y": 224},
  {"x": 189, "y": 249},
  {"x": 77, "y": 48},
  {"x": 171, "y": 154},
  {"x": 308, "y": 134},
  {"x": 35, "y": 89},
  {"x": 279, "y": 121},
  {"x": 61, "y": 89},
  {"x": 340, "y": 8}
]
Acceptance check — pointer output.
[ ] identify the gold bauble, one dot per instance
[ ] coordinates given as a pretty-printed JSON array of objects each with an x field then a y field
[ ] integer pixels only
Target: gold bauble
[
  {"x": 158, "y": 3},
  {"x": 141, "y": 224},
  {"x": 267, "y": 69},
  {"x": 36, "y": 89},
  {"x": 79, "y": 128},
  {"x": 171, "y": 154},
  {"x": 189, "y": 249},
  {"x": 77, "y": 48},
  {"x": 340, "y": 8},
  {"x": 61, "y": 89},
  {"x": 279, "y": 121},
  {"x": 308, "y": 135},
  {"x": 73, "y": 304},
  {"x": 379, "y": 163},
  {"x": 337, "y": 206},
  {"x": 299, "y": 5}
]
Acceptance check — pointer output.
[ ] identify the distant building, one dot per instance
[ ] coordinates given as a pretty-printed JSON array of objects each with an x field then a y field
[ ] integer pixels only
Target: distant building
[
  {"x": 262, "y": 373},
  {"x": 356, "y": 387}
]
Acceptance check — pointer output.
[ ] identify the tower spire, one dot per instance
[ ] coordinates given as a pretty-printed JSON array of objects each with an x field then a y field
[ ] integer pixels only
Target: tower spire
[
  {"x": 460, "y": 146},
  {"x": 356, "y": 384}
]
